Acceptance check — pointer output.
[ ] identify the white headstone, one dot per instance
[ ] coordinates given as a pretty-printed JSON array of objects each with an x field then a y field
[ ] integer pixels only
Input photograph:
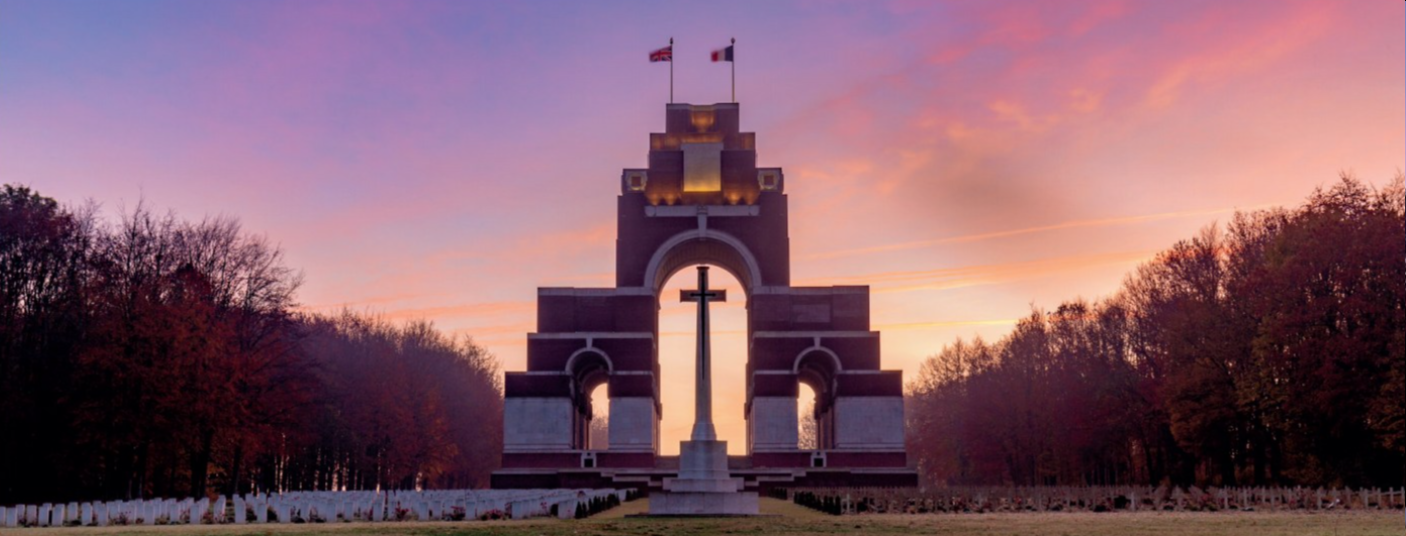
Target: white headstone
[
  {"x": 44, "y": 511},
  {"x": 261, "y": 511},
  {"x": 239, "y": 512}
]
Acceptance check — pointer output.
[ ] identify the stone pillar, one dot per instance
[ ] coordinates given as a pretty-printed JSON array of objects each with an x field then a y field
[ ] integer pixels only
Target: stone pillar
[
  {"x": 634, "y": 421},
  {"x": 772, "y": 417}
]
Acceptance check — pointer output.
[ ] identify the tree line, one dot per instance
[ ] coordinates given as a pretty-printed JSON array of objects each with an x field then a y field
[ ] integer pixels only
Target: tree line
[
  {"x": 158, "y": 357},
  {"x": 1265, "y": 352}
]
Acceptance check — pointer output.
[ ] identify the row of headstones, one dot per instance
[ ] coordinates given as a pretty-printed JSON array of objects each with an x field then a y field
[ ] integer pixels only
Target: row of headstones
[
  {"x": 855, "y": 500},
  {"x": 104, "y": 513},
  {"x": 310, "y": 507}
]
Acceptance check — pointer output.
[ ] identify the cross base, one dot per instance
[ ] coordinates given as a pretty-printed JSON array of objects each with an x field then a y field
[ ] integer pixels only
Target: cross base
[{"x": 704, "y": 486}]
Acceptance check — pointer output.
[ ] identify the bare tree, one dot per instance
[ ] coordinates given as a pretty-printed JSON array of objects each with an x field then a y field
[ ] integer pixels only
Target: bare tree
[{"x": 808, "y": 436}]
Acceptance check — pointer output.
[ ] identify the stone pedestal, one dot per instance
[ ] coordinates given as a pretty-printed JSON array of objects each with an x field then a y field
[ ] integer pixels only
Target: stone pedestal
[{"x": 704, "y": 486}]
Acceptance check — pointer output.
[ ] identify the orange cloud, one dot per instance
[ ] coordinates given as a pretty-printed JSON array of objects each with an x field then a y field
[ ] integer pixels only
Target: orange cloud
[
  {"x": 1077, "y": 224},
  {"x": 491, "y": 310},
  {"x": 945, "y": 324},
  {"x": 377, "y": 300},
  {"x": 538, "y": 246},
  {"x": 967, "y": 276}
]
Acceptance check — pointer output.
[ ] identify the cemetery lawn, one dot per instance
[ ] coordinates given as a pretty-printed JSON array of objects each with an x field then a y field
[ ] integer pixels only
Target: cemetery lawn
[{"x": 789, "y": 519}]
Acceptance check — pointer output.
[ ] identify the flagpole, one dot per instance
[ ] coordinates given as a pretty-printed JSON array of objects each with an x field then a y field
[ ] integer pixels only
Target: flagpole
[
  {"x": 671, "y": 70},
  {"x": 734, "y": 69}
]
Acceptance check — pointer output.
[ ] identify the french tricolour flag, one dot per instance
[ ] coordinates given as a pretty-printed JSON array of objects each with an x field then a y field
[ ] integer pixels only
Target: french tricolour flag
[{"x": 723, "y": 54}]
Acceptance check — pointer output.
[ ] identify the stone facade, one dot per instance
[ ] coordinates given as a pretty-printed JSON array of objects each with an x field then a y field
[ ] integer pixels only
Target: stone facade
[{"x": 703, "y": 200}]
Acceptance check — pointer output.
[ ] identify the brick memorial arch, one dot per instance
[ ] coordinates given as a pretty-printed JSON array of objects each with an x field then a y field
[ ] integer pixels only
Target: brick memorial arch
[{"x": 703, "y": 200}]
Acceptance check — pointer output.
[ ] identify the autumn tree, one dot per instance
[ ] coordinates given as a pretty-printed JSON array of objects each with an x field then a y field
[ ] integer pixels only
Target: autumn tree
[
  {"x": 156, "y": 356},
  {"x": 44, "y": 314},
  {"x": 1266, "y": 352}
]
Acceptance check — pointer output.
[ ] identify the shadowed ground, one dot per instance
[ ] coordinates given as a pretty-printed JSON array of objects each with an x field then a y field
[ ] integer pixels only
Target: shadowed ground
[{"x": 789, "y": 519}]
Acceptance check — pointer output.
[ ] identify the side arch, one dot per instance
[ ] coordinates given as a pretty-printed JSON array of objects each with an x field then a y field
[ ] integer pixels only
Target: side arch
[
  {"x": 833, "y": 358},
  {"x": 819, "y": 368},
  {"x": 583, "y": 353},
  {"x": 588, "y": 368}
]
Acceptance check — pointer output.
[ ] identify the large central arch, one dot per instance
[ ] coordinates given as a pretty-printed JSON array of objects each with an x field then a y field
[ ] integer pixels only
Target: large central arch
[
  {"x": 703, "y": 200},
  {"x": 704, "y": 246}
]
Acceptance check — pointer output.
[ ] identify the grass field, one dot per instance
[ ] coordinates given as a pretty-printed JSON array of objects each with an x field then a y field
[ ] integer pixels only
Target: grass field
[{"x": 788, "y": 519}]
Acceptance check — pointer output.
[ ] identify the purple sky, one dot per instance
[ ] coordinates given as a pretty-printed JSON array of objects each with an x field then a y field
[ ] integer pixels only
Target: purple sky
[{"x": 443, "y": 159}]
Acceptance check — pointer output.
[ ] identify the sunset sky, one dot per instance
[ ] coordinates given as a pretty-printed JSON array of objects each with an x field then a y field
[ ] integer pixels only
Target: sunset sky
[{"x": 442, "y": 160}]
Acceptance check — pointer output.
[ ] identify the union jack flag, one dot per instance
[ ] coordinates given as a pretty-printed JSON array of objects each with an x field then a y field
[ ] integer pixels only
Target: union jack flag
[{"x": 663, "y": 54}]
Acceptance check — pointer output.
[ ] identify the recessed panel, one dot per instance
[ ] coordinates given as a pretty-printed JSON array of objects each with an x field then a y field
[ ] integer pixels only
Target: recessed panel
[{"x": 702, "y": 167}]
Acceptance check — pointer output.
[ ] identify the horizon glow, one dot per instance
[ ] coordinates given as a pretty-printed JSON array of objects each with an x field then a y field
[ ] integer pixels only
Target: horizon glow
[{"x": 442, "y": 160}]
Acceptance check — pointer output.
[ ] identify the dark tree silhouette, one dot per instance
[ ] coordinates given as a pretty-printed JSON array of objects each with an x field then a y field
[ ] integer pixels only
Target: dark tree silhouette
[
  {"x": 160, "y": 357},
  {"x": 1270, "y": 352}
]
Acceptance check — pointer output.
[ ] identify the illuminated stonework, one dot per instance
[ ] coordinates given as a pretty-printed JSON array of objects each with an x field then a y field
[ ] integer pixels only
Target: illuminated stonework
[
  {"x": 702, "y": 158},
  {"x": 702, "y": 168}
]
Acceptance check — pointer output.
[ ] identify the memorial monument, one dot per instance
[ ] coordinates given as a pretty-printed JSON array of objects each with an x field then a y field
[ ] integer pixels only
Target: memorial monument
[{"x": 702, "y": 200}]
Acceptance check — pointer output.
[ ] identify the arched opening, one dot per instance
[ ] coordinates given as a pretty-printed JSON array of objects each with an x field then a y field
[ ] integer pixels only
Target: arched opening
[
  {"x": 713, "y": 248},
  {"x": 678, "y": 348},
  {"x": 589, "y": 370},
  {"x": 671, "y": 269},
  {"x": 816, "y": 370}
]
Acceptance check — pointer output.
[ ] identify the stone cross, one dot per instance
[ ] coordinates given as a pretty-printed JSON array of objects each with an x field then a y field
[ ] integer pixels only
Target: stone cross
[{"x": 703, "y": 382}]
